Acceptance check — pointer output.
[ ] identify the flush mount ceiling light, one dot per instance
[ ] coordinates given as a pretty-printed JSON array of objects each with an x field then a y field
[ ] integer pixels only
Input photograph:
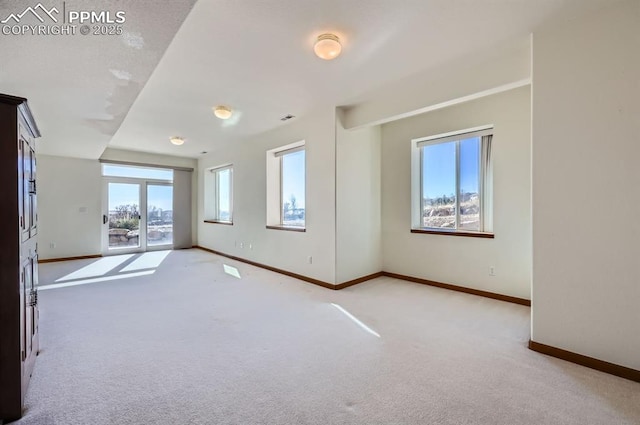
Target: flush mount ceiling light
[
  {"x": 327, "y": 46},
  {"x": 222, "y": 112},
  {"x": 177, "y": 140}
]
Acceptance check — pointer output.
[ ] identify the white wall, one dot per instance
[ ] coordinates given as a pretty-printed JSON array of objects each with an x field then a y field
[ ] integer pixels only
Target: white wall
[
  {"x": 586, "y": 196},
  {"x": 358, "y": 220},
  {"x": 464, "y": 261},
  {"x": 69, "y": 207},
  {"x": 277, "y": 248}
]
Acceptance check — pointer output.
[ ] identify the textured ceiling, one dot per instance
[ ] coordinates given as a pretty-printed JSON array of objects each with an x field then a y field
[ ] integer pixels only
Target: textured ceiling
[
  {"x": 254, "y": 55},
  {"x": 79, "y": 87}
]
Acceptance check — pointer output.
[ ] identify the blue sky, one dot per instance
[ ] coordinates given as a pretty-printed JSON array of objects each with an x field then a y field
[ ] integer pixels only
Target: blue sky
[
  {"x": 160, "y": 197},
  {"x": 123, "y": 194},
  {"x": 293, "y": 177},
  {"x": 223, "y": 189},
  {"x": 126, "y": 194},
  {"x": 439, "y": 167}
]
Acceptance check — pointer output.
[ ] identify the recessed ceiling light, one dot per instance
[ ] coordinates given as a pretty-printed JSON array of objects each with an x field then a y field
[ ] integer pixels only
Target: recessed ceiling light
[
  {"x": 177, "y": 140},
  {"x": 327, "y": 46},
  {"x": 222, "y": 112}
]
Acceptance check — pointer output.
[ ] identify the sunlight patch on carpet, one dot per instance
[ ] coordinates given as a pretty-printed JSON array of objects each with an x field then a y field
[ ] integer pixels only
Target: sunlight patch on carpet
[
  {"x": 230, "y": 270},
  {"x": 94, "y": 280},
  {"x": 356, "y": 321},
  {"x": 97, "y": 268},
  {"x": 148, "y": 260}
]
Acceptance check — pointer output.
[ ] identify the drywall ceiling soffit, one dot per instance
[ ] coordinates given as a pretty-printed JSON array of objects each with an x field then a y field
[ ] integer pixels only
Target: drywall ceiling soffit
[
  {"x": 477, "y": 75},
  {"x": 81, "y": 87},
  {"x": 118, "y": 155}
]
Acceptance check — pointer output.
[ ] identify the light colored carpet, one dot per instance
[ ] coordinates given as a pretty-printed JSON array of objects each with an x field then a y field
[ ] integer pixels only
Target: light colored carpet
[{"x": 191, "y": 344}]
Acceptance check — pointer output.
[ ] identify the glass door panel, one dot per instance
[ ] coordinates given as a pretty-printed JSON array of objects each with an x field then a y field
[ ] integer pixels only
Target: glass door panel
[
  {"x": 159, "y": 214},
  {"x": 124, "y": 215}
]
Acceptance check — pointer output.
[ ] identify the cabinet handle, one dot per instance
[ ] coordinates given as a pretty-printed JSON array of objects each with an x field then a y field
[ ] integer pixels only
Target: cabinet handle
[{"x": 33, "y": 301}]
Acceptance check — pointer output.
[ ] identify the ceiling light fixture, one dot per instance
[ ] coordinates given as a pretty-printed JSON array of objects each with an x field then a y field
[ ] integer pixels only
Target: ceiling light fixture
[
  {"x": 222, "y": 112},
  {"x": 327, "y": 46},
  {"x": 177, "y": 140}
]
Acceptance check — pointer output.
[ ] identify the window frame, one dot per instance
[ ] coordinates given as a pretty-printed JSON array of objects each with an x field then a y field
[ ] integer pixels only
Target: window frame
[
  {"x": 215, "y": 171},
  {"x": 281, "y": 155},
  {"x": 123, "y": 167},
  {"x": 273, "y": 156},
  {"x": 484, "y": 182}
]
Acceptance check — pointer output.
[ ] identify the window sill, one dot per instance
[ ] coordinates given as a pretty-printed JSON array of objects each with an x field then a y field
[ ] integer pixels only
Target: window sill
[
  {"x": 455, "y": 233},
  {"x": 228, "y": 223},
  {"x": 287, "y": 228}
]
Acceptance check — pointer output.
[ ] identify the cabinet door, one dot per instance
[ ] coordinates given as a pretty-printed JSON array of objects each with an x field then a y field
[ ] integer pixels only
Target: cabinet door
[
  {"x": 26, "y": 186},
  {"x": 34, "y": 301},
  {"x": 22, "y": 190},
  {"x": 30, "y": 307},
  {"x": 27, "y": 308},
  {"x": 23, "y": 304},
  {"x": 33, "y": 195}
]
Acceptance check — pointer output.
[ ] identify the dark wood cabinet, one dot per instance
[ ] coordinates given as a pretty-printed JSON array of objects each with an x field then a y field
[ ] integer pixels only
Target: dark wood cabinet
[{"x": 18, "y": 254}]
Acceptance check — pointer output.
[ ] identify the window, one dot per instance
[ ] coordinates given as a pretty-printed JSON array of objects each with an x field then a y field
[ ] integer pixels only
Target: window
[
  {"x": 138, "y": 207},
  {"x": 219, "y": 188},
  {"x": 286, "y": 169},
  {"x": 138, "y": 172},
  {"x": 454, "y": 182}
]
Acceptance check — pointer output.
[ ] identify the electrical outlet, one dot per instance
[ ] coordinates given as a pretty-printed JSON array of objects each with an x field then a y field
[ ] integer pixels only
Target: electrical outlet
[
  {"x": 52, "y": 245},
  {"x": 492, "y": 271},
  {"x": 241, "y": 245},
  {"x": 310, "y": 259}
]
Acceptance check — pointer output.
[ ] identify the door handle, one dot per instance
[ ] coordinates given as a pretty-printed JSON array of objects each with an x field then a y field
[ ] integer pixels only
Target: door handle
[{"x": 105, "y": 219}]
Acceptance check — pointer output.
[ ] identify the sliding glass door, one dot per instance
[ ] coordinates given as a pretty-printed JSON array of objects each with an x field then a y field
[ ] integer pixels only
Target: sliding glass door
[
  {"x": 138, "y": 215},
  {"x": 123, "y": 216},
  {"x": 159, "y": 214}
]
